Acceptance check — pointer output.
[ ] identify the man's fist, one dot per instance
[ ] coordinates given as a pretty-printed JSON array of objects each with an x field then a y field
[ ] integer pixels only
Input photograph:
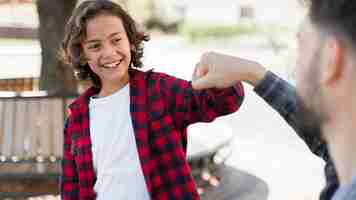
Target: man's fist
[{"x": 221, "y": 71}]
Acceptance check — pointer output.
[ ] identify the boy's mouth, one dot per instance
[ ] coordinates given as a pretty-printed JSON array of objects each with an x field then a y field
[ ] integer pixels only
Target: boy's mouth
[{"x": 111, "y": 65}]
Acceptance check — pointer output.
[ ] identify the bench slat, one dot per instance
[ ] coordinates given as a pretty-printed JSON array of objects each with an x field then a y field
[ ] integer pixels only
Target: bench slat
[
  {"x": 1, "y": 126},
  {"x": 20, "y": 129},
  {"x": 58, "y": 124},
  {"x": 33, "y": 128},
  {"x": 18, "y": 84},
  {"x": 45, "y": 131},
  {"x": 9, "y": 110}
]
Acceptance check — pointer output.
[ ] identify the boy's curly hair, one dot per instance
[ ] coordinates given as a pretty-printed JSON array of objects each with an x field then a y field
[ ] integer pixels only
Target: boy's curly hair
[{"x": 71, "y": 51}]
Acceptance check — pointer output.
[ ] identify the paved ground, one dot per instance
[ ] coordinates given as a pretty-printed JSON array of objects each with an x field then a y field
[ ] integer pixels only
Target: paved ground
[
  {"x": 266, "y": 147},
  {"x": 263, "y": 145}
]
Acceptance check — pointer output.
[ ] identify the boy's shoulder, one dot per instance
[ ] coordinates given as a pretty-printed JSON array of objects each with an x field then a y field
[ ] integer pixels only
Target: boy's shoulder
[{"x": 152, "y": 77}]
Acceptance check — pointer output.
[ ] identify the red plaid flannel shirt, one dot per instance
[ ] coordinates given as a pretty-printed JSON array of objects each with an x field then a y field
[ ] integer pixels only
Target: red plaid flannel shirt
[{"x": 161, "y": 108}]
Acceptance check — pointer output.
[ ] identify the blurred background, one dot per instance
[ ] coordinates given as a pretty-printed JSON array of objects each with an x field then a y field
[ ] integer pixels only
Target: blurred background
[{"x": 263, "y": 144}]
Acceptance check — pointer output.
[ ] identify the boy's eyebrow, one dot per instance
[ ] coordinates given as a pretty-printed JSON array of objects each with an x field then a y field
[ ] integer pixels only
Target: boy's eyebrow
[{"x": 97, "y": 40}]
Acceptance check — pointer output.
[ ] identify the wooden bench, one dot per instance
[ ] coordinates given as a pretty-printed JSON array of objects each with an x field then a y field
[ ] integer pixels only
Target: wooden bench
[
  {"x": 19, "y": 84},
  {"x": 31, "y": 142}
]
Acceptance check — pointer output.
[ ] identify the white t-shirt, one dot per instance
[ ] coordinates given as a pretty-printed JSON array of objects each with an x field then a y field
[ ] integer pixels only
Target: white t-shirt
[{"x": 115, "y": 157}]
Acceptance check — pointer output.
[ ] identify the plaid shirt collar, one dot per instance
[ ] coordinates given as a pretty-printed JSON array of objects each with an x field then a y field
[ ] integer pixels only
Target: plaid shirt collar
[{"x": 136, "y": 82}]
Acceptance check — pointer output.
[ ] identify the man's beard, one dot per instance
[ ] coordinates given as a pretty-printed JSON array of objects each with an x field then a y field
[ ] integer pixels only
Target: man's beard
[
  {"x": 309, "y": 117},
  {"x": 308, "y": 120}
]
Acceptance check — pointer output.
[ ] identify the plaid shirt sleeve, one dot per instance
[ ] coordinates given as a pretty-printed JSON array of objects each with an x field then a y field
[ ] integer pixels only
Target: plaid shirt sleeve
[
  {"x": 282, "y": 97},
  {"x": 69, "y": 186},
  {"x": 189, "y": 106}
]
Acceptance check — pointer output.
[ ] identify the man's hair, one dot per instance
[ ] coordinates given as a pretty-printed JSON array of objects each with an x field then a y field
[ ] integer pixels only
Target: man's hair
[
  {"x": 71, "y": 51},
  {"x": 337, "y": 16}
]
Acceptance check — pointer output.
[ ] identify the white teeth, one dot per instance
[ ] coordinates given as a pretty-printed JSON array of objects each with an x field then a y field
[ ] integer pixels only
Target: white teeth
[{"x": 111, "y": 65}]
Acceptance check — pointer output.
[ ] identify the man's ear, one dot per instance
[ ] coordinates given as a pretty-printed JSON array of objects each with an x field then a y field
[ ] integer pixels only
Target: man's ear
[{"x": 333, "y": 54}]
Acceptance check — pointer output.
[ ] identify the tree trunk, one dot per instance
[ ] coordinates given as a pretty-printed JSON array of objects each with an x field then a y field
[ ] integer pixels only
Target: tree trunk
[{"x": 53, "y": 14}]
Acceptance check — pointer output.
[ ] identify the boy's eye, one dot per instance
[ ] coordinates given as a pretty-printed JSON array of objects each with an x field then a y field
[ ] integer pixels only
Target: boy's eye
[
  {"x": 116, "y": 40},
  {"x": 93, "y": 46}
]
